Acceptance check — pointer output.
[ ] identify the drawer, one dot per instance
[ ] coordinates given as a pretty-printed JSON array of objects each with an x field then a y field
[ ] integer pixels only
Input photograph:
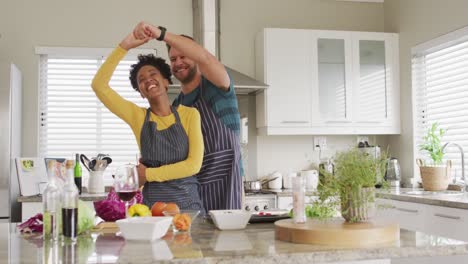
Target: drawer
[
  {"x": 449, "y": 222},
  {"x": 409, "y": 215}
]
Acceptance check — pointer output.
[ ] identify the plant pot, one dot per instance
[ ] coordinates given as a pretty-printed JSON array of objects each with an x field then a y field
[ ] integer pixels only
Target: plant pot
[
  {"x": 435, "y": 178},
  {"x": 359, "y": 206}
]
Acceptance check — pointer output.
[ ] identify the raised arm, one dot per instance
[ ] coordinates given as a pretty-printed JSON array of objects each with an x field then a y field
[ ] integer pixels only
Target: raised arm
[
  {"x": 209, "y": 66},
  {"x": 124, "y": 109}
]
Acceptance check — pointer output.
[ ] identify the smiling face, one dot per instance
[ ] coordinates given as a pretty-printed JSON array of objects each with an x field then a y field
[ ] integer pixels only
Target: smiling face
[
  {"x": 183, "y": 68},
  {"x": 151, "y": 83}
]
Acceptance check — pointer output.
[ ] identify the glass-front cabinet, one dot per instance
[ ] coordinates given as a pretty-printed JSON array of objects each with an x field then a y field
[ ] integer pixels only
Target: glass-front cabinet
[
  {"x": 332, "y": 52},
  {"x": 348, "y": 80}
]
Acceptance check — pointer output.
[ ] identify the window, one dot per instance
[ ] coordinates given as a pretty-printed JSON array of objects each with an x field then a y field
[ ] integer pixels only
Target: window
[
  {"x": 72, "y": 119},
  {"x": 440, "y": 92}
]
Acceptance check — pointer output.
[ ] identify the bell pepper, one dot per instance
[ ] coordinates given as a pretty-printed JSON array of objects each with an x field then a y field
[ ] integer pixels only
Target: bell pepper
[{"x": 139, "y": 210}]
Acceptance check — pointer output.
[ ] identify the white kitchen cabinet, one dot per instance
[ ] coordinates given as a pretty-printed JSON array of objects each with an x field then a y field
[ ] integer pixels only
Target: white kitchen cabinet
[
  {"x": 327, "y": 82},
  {"x": 286, "y": 202},
  {"x": 409, "y": 216},
  {"x": 449, "y": 222},
  {"x": 431, "y": 219},
  {"x": 287, "y": 102}
]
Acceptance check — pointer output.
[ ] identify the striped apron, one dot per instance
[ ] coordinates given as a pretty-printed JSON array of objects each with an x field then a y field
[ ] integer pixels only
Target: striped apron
[
  {"x": 220, "y": 178},
  {"x": 164, "y": 147}
]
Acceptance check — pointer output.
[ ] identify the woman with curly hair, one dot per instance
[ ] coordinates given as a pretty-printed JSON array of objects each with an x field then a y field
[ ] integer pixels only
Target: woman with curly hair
[{"x": 169, "y": 138}]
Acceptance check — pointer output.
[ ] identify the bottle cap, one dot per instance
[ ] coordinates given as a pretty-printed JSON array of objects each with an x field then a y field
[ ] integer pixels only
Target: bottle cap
[
  {"x": 69, "y": 164},
  {"x": 51, "y": 164}
]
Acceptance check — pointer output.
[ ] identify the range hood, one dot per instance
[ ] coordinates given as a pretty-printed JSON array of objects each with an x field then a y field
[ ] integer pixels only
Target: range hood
[
  {"x": 243, "y": 84},
  {"x": 206, "y": 32}
]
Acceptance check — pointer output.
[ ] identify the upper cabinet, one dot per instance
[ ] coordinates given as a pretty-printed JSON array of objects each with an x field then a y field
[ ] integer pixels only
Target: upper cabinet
[{"x": 327, "y": 82}]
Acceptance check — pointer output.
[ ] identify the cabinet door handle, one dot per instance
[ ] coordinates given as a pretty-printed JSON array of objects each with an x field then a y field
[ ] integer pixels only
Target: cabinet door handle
[
  {"x": 294, "y": 122},
  {"x": 407, "y": 210},
  {"x": 448, "y": 216}
]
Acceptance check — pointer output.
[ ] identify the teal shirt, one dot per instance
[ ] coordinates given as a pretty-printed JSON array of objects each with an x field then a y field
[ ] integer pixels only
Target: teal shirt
[{"x": 223, "y": 103}]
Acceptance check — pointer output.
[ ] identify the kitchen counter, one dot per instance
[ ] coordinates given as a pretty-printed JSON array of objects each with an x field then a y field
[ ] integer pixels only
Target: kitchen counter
[
  {"x": 256, "y": 244},
  {"x": 452, "y": 199},
  {"x": 288, "y": 192},
  {"x": 83, "y": 196}
]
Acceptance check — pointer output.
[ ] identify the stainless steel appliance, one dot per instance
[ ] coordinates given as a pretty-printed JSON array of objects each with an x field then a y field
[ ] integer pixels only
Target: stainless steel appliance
[
  {"x": 261, "y": 200},
  {"x": 10, "y": 141},
  {"x": 393, "y": 174}
]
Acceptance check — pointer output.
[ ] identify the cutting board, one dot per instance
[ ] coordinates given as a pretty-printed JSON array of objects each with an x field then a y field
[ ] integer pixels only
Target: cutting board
[
  {"x": 336, "y": 232},
  {"x": 106, "y": 227}
]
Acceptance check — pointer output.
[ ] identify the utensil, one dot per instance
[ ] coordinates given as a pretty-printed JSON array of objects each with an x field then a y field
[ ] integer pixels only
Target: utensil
[
  {"x": 101, "y": 165},
  {"x": 107, "y": 159},
  {"x": 92, "y": 164},
  {"x": 85, "y": 161},
  {"x": 256, "y": 186}
]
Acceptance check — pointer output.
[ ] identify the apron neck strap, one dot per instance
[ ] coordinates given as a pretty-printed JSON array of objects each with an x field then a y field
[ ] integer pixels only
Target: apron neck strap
[{"x": 173, "y": 110}]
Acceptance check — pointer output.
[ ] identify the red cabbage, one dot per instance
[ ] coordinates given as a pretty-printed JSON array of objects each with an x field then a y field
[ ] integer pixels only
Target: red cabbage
[
  {"x": 33, "y": 224},
  {"x": 112, "y": 208}
]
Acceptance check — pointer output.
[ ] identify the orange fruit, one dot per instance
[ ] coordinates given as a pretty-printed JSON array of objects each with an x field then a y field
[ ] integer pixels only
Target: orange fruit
[
  {"x": 182, "y": 222},
  {"x": 172, "y": 207},
  {"x": 158, "y": 208}
]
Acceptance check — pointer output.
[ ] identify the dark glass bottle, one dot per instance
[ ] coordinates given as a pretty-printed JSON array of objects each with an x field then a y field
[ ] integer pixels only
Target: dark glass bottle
[{"x": 70, "y": 205}]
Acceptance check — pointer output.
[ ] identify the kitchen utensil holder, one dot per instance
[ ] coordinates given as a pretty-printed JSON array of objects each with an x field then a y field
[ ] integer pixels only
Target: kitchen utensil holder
[{"x": 96, "y": 182}]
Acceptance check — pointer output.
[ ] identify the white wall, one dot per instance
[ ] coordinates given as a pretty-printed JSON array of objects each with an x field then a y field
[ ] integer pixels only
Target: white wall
[
  {"x": 241, "y": 20},
  {"x": 417, "y": 21},
  {"x": 26, "y": 24},
  {"x": 87, "y": 23}
]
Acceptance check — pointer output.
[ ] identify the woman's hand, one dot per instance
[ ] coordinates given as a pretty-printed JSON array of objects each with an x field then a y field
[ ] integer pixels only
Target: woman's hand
[
  {"x": 141, "y": 169},
  {"x": 130, "y": 41},
  {"x": 145, "y": 30}
]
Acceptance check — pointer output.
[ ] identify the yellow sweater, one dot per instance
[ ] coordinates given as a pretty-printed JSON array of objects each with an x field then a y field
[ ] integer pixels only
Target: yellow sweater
[{"x": 134, "y": 116}]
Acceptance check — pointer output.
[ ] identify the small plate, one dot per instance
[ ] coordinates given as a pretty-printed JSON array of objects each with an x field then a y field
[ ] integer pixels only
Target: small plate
[{"x": 267, "y": 218}]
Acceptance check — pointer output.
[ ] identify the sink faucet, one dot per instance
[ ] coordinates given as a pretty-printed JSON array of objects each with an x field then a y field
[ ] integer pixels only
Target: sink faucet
[{"x": 462, "y": 159}]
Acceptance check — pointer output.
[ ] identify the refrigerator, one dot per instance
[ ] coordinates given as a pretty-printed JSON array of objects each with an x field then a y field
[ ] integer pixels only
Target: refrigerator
[{"x": 10, "y": 141}]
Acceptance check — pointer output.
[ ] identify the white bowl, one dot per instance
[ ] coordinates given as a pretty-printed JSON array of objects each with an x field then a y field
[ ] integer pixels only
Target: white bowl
[
  {"x": 144, "y": 228},
  {"x": 230, "y": 219}
]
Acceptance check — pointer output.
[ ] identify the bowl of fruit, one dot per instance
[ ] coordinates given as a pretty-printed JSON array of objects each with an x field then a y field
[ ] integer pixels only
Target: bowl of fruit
[{"x": 182, "y": 220}]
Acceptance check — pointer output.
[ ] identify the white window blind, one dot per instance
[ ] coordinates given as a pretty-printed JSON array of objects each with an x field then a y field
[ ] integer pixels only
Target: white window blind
[
  {"x": 73, "y": 120},
  {"x": 440, "y": 87}
]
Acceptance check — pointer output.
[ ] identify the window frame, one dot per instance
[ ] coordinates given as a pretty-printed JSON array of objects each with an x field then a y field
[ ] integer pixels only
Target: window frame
[
  {"x": 97, "y": 54},
  {"x": 418, "y": 52}
]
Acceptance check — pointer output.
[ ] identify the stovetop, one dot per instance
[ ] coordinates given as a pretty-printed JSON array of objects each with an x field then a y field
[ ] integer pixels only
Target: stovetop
[{"x": 250, "y": 193}]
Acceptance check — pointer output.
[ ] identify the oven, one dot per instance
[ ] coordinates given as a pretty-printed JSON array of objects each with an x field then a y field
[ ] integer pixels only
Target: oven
[{"x": 261, "y": 200}]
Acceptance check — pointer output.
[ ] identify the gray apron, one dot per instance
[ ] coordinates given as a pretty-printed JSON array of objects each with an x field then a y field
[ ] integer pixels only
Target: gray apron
[
  {"x": 164, "y": 147},
  {"x": 220, "y": 178}
]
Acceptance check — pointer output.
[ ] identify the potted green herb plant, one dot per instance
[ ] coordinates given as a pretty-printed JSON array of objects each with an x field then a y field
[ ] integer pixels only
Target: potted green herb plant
[
  {"x": 434, "y": 174},
  {"x": 352, "y": 186}
]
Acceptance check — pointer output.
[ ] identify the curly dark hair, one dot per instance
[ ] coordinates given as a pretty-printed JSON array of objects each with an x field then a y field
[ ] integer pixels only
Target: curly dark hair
[{"x": 149, "y": 59}]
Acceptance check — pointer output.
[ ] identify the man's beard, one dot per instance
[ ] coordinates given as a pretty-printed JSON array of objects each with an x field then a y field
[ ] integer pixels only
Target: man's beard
[{"x": 190, "y": 76}]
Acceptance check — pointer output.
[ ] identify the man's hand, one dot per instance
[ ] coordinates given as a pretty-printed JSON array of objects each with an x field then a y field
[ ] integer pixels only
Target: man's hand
[
  {"x": 141, "y": 169},
  {"x": 130, "y": 41}
]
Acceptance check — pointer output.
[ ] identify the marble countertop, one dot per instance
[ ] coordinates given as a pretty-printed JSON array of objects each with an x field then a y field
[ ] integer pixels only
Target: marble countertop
[
  {"x": 83, "y": 196},
  {"x": 256, "y": 244},
  {"x": 452, "y": 199},
  {"x": 288, "y": 192}
]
